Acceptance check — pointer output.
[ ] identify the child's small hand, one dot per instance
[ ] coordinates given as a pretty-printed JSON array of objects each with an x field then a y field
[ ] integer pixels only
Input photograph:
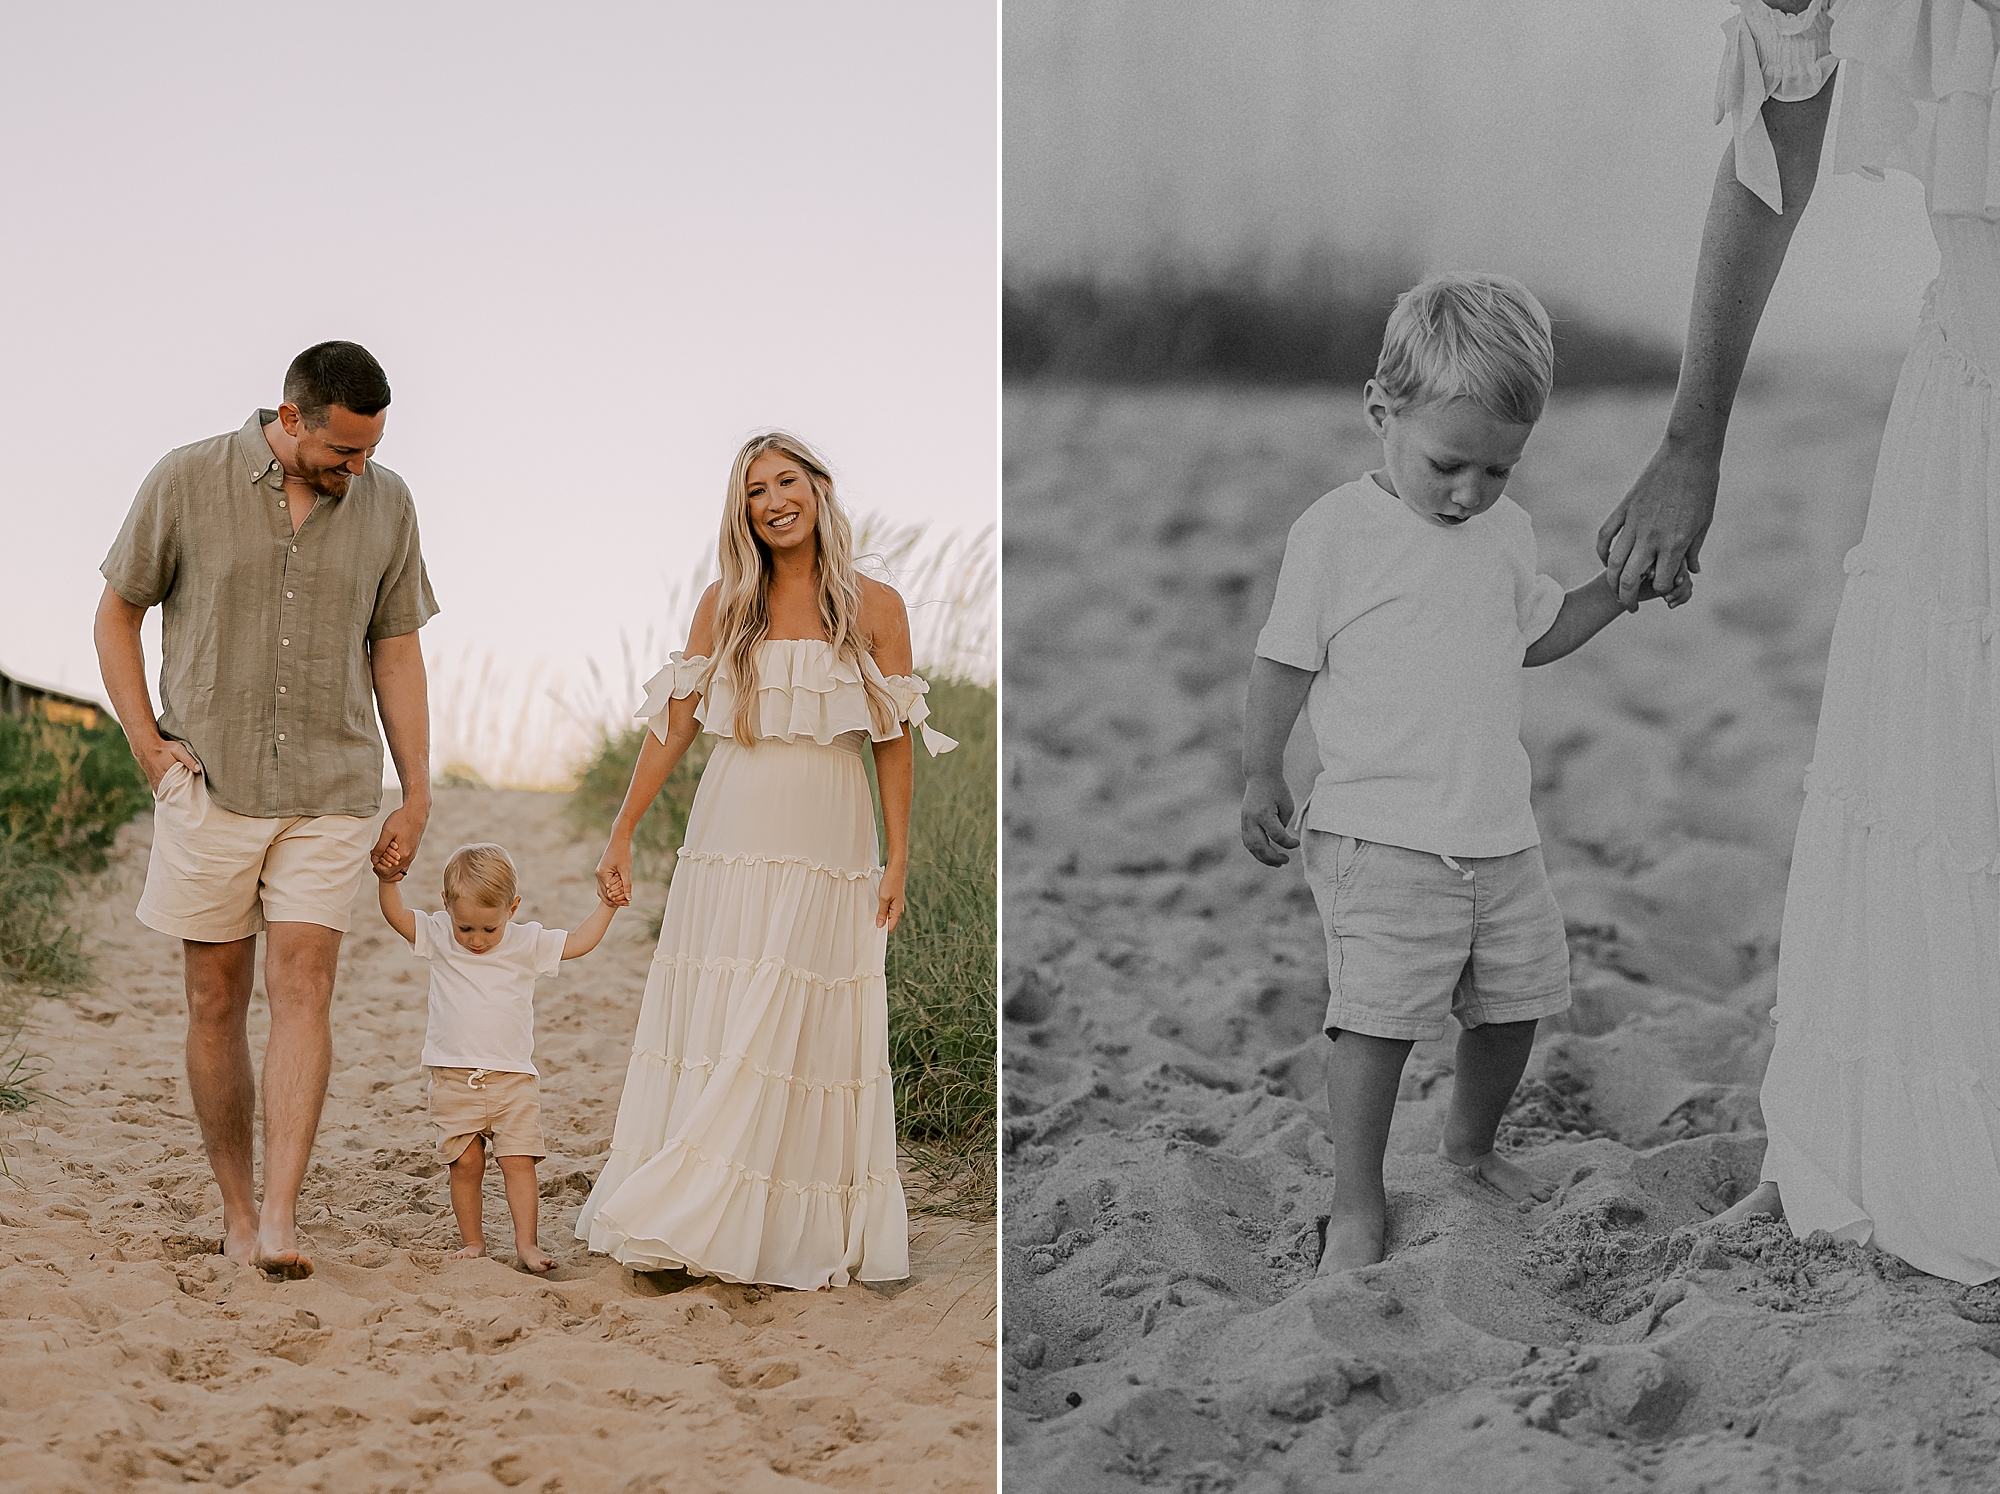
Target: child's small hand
[
  {"x": 1649, "y": 589},
  {"x": 1267, "y": 814}
]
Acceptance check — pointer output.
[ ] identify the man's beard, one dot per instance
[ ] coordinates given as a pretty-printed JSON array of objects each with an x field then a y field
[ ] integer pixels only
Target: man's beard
[{"x": 330, "y": 481}]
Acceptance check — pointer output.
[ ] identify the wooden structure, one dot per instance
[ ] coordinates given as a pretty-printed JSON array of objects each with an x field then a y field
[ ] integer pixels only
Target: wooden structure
[{"x": 24, "y": 698}]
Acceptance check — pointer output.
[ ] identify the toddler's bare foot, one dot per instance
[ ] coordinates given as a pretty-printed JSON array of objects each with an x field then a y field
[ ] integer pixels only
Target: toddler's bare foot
[
  {"x": 534, "y": 1258},
  {"x": 1509, "y": 1179},
  {"x": 1351, "y": 1238},
  {"x": 1761, "y": 1202},
  {"x": 470, "y": 1253}
]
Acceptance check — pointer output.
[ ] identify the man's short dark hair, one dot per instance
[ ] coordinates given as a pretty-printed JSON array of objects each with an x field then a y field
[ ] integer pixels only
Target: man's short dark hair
[{"x": 335, "y": 373}]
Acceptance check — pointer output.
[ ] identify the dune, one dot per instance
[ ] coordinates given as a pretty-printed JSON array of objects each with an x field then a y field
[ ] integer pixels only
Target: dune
[
  {"x": 134, "y": 1357},
  {"x": 1164, "y": 1128}
]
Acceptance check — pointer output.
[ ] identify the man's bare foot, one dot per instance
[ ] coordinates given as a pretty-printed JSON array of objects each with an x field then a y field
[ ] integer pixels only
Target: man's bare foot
[
  {"x": 1351, "y": 1239},
  {"x": 534, "y": 1258},
  {"x": 1761, "y": 1202},
  {"x": 470, "y": 1253},
  {"x": 240, "y": 1244},
  {"x": 279, "y": 1253},
  {"x": 1509, "y": 1179}
]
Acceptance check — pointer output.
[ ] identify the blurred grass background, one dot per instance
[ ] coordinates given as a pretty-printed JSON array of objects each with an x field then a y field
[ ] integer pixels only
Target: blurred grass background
[
  {"x": 64, "y": 791},
  {"x": 1317, "y": 321}
]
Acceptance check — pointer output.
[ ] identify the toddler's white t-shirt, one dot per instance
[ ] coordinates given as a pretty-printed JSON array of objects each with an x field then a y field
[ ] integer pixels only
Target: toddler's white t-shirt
[
  {"x": 1415, "y": 633},
  {"x": 483, "y": 1005}
]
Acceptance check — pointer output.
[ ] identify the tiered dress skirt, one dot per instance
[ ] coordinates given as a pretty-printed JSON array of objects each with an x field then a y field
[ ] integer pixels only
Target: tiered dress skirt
[{"x": 756, "y": 1138}]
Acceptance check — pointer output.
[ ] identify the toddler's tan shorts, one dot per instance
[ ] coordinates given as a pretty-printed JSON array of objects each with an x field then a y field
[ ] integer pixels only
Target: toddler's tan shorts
[
  {"x": 480, "y": 1102},
  {"x": 215, "y": 875},
  {"x": 1408, "y": 938}
]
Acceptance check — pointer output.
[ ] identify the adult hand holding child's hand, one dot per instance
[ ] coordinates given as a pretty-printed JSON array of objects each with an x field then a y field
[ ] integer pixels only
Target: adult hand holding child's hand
[
  {"x": 614, "y": 874},
  {"x": 1659, "y": 528}
]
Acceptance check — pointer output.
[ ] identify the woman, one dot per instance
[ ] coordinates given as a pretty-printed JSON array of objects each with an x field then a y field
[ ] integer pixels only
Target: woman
[
  {"x": 756, "y": 1138},
  {"x": 1882, "y": 1099}
]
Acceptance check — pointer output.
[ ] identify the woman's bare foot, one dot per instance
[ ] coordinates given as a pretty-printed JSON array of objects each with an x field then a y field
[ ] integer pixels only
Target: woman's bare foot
[
  {"x": 1351, "y": 1237},
  {"x": 470, "y": 1253},
  {"x": 1509, "y": 1179},
  {"x": 278, "y": 1252},
  {"x": 1762, "y": 1202},
  {"x": 534, "y": 1258}
]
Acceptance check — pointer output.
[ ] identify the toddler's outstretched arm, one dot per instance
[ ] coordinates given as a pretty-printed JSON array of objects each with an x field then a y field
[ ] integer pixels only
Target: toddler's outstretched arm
[
  {"x": 1277, "y": 693},
  {"x": 583, "y": 938},
  {"x": 1587, "y": 609},
  {"x": 401, "y": 919}
]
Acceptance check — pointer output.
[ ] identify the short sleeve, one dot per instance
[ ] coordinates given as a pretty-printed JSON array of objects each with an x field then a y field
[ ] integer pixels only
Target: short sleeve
[
  {"x": 548, "y": 949},
  {"x": 1300, "y": 625},
  {"x": 403, "y": 599},
  {"x": 1538, "y": 603},
  {"x": 1768, "y": 54},
  {"x": 424, "y": 941},
  {"x": 678, "y": 678},
  {"x": 146, "y": 554}
]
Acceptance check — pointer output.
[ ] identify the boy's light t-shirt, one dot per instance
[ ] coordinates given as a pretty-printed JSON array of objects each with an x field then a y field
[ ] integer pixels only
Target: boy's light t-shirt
[
  {"x": 483, "y": 1005},
  {"x": 1415, "y": 633}
]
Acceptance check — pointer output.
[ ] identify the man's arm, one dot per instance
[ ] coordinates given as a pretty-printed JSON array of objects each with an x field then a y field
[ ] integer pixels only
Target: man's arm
[
  {"x": 583, "y": 938},
  {"x": 402, "y": 696},
  {"x": 121, "y": 659}
]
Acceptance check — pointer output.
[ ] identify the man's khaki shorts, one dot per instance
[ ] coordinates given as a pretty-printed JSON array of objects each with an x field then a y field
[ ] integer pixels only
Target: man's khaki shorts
[
  {"x": 479, "y": 1102},
  {"x": 216, "y": 875}
]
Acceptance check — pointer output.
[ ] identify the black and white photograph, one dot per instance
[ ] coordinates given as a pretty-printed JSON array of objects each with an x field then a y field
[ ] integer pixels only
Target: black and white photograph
[{"x": 1501, "y": 856}]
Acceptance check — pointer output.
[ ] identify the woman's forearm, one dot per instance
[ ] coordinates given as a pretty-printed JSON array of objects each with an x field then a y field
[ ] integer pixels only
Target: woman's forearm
[
  {"x": 894, "y": 777},
  {"x": 1743, "y": 246},
  {"x": 657, "y": 761}
]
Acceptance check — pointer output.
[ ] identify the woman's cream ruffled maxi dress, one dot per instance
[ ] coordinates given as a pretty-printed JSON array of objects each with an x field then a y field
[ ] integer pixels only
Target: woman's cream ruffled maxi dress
[
  {"x": 756, "y": 1138},
  {"x": 1883, "y": 1094}
]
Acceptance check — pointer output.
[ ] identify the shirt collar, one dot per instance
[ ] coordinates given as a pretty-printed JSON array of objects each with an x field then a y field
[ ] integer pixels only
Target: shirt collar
[{"x": 251, "y": 446}]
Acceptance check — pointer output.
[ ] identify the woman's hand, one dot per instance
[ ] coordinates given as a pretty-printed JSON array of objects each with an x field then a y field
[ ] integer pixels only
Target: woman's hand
[
  {"x": 1660, "y": 526},
  {"x": 889, "y": 910},
  {"x": 614, "y": 872}
]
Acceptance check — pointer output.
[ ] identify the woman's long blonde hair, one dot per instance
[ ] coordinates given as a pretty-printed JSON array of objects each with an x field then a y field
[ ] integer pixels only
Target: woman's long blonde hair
[{"x": 743, "y": 594}]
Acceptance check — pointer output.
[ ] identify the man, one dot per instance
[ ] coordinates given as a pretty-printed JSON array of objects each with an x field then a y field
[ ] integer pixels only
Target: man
[{"x": 291, "y": 585}]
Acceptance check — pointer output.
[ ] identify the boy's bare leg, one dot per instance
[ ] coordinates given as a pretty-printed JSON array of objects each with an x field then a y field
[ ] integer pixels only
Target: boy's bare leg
[
  {"x": 468, "y": 1177},
  {"x": 299, "y": 964},
  {"x": 1361, "y": 1084},
  {"x": 524, "y": 1200},
  {"x": 221, "y": 1081},
  {"x": 1491, "y": 1059}
]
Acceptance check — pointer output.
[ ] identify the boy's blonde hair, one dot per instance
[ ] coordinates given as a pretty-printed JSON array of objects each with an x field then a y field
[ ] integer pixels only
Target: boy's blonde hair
[
  {"x": 482, "y": 873},
  {"x": 1469, "y": 335}
]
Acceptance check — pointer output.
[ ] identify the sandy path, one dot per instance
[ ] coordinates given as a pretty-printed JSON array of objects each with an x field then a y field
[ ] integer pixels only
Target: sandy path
[
  {"x": 132, "y": 1358},
  {"x": 1164, "y": 1071}
]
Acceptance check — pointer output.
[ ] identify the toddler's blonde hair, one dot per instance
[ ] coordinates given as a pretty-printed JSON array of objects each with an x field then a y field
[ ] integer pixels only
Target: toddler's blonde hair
[
  {"x": 1469, "y": 335},
  {"x": 482, "y": 872}
]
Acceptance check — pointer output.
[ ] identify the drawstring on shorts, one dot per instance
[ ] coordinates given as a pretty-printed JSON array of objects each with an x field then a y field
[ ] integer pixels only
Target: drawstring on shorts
[
  {"x": 1455, "y": 866},
  {"x": 472, "y": 1079}
]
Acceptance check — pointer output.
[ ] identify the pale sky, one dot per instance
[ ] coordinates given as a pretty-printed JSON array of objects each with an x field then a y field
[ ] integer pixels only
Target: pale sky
[
  {"x": 1569, "y": 142},
  {"x": 594, "y": 246}
]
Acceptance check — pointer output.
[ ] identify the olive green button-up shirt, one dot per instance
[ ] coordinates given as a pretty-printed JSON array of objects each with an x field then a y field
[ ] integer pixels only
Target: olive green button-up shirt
[{"x": 264, "y": 670}]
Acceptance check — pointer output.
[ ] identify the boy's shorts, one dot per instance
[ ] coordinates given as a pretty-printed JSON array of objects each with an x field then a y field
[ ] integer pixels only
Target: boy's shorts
[
  {"x": 480, "y": 1102},
  {"x": 215, "y": 875},
  {"x": 1408, "y": 938}
]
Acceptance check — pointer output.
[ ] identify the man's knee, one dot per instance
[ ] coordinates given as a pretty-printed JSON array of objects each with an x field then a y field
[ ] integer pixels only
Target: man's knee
[{"x": 218, "y": 980}]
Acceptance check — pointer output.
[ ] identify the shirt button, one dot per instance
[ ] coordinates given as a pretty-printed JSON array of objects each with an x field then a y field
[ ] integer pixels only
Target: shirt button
[
  {"x": 286, "y": 642},
  {"x": 295, "y": 549},
  {"x": 281, "y": 503},
  {"x": 281, "y": 736},
  {"x": 288, "y": 593},
  {"x": 281, "y": 689}
]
